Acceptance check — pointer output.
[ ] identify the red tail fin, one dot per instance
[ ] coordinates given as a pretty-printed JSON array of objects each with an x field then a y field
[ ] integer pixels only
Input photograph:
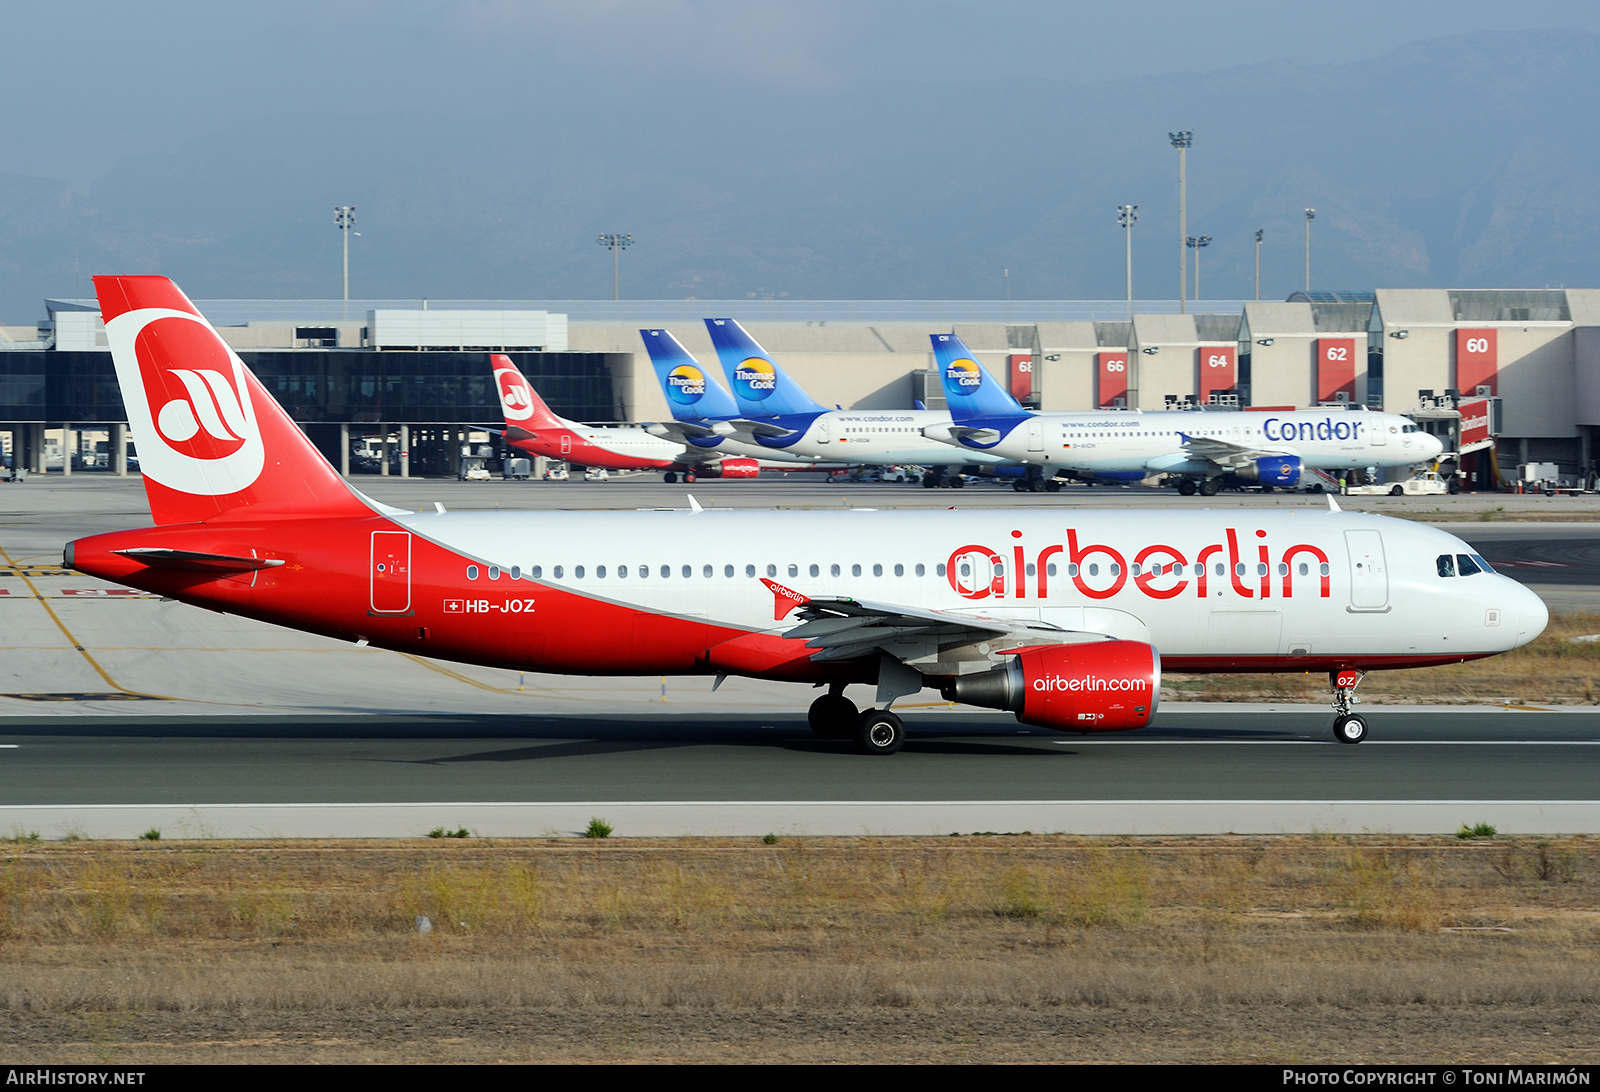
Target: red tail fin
[
  {"x": 212, "y": 442},
  {"x": 518, "y": 400}
]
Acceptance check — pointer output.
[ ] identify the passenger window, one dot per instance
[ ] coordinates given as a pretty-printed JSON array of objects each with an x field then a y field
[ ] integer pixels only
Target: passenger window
[
  {"x": 920, "y": 570},
  {"x": 1238, "y": 569},
  {"x": 1305, "y": 570},
  {"x": 727, "y": 570},
  {"x": 1116, "y": 570},
  {"x": 644, "y": 571},
  {"x": 1446, "y": 565},
  {"x": 622, "y": 571},
  {"x": 538, "y": 571},
  {"x": 516, "y": 572},
  {"x": 1222, "y": 570},
  {"x": 666, "y": 571},
  {"x": 472, "y": 572},
  {"x": 1324, "y": 568},
  {"x": 794, "y": 570},
  {"x": 577, "y": 571},
  {"x": 1031, "y": 568},
  {"x": 706, "y": 571},
  {"x": 1050, "y": 569},
  {"x": 494, "y": 572},
  {"x": 750, "y": 570},
  {"x": 1464, "y": 565},
  {"x": 939, "y": 568},
  {"x": 600, "y": 572},
  {"x": 815, "y": 570},
  {"x": 772, "y": 570},
  {"x": 1094, "y": 568},
  {"x": 899, "y": 570},
  {"x": 1261, "y": 568},
  {"x": 1072, "y": 568},
  {"x": 1133, "y": 569},
  {"x": 1283, "y": 569},
  {"x": 688, "y": 571},
  {"x": 833, "y": 570},
  {"x": 557, "y": 572},
  {"x": 877, "y": 570}
]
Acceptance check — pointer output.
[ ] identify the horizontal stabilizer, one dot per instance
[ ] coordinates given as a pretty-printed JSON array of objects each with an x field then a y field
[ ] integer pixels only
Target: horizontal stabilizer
[{"x": 191, "y": 561}]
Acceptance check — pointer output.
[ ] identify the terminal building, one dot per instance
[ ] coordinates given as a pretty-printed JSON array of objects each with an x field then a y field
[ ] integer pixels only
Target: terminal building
[{"x": 396, "y": 386}]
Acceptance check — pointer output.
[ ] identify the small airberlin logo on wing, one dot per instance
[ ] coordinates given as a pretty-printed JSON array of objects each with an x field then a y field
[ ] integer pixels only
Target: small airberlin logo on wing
[
  {"x": 515, "y": 397},
  {"x": 964, "y": 374},
  {"x": 686, "y": 384},
  {"x": 756, "y": 378},
  {"x": 188, "y": 403}
]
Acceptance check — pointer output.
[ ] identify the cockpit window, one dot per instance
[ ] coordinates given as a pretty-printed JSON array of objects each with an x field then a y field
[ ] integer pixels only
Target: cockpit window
[
  {"x": 1483, "y": 566},
  {"x": 1465, "y": 565},
  {"x": 1446, "y": 565}
]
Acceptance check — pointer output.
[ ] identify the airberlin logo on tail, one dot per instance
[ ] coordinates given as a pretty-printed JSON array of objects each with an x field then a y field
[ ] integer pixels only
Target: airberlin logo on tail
[
  {"x": 515, "y": 397},
  {"x": 187, "y": 402},
  {"x": 686, "y": 384},
  {"x": 756, "y": 378},
  {"x": 964, "y": 376}
]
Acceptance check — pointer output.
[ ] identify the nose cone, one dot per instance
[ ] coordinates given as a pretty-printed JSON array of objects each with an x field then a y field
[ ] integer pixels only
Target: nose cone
[
  {"x": 1432, "y": 446},
  {"x": 1526, "y": 614}
]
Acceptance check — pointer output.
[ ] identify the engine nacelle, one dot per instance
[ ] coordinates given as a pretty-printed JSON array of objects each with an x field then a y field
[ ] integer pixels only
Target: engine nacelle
[
  {"x": 1281, "y": 470},
  {"x": 739, "y": 468},
  {"x": 1097, "y": 686}
]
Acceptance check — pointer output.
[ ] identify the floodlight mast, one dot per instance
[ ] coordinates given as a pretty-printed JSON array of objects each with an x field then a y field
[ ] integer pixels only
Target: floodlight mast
[
  {"x": 615, "y": 243},
  {"x": 344, "y": 218},
  {"x": 1196, "y": 242},
  {"x": 1311, "y": 214},
  {"x": 1258, "y": 262},
  {"x": 1127, "y": 216},
  {"x": 1181, "y": 141}
]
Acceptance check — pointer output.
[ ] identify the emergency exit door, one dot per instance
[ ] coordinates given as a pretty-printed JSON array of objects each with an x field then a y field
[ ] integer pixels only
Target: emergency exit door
[{"x": 390, "y": 572}]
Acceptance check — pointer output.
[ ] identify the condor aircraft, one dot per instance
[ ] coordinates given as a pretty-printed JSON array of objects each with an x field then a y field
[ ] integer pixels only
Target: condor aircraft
[
  {"x": 532, "y": 427},
  {"x": 1272, "y": 449},
  {"x": 1065, "y": 618}
]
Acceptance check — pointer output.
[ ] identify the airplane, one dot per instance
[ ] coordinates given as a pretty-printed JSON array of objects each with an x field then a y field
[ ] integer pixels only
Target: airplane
[
  {"x": 532, "y": 427},
  {"x": 704, "y": 417},
  {"x": 1065, "y": 619},
  {"x": 784, "y": 417},
  {"x": 1198, "y": 449}
]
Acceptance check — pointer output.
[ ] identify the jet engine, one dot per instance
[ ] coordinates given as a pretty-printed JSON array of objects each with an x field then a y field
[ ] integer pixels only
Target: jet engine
[
  {"x": 739, "y": 468},
  {"x": 1281, "y": 470},
  {"x": 1097, "y": 686}
]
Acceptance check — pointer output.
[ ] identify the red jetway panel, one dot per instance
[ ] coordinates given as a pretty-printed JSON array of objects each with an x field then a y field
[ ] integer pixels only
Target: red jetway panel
[
  {"x": 1336, "y": 369},
  {"x": 1477, "y": 424},
  {"x": 1477, "y": 362},
  {"x": 1111, "y": 380},
  {"x": 1020, "y": 365},
  {"x": 1218, "y": 371}
]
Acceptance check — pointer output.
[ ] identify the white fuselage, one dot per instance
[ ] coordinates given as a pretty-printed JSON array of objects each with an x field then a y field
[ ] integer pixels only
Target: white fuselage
[
  {"x": 884, "y": 438},
  {"x": 1250, "y": 586},
  {"x": 1154, "y": 442}
]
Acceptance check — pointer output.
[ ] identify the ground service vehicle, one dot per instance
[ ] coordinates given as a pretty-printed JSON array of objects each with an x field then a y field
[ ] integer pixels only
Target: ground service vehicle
[{"x": 1065, "y": 619}]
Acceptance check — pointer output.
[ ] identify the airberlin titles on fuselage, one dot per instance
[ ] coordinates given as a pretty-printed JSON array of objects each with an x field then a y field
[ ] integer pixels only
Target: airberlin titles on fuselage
[{"x": 1159, "y": 571}]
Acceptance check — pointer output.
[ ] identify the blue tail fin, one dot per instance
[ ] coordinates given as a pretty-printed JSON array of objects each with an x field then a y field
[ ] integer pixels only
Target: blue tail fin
[
  {"x": 691, "y": 392},
  {"x": 969, "y": 389},
  {"x": 760, "y": 386}
]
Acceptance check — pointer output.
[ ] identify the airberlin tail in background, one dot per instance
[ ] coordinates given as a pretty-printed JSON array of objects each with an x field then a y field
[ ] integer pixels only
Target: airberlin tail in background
[{"x": 204, "y": 425}]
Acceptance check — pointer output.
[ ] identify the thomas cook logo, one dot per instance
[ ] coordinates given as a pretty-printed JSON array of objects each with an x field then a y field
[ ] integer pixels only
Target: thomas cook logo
[
  {"x": 963, "y": 377},
  {"x": 516, "y": 399},
  {"x": 755, "y": 379},
  {"x": 686, "y": 384},
  {"x": 188, "y": 402}
]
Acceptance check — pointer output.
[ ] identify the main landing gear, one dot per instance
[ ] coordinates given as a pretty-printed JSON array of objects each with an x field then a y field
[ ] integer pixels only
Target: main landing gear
[
  {"x": 1348, "y": 727},
  {"x": 1206, "y": 487},
  {"x": 876, "y": 731}
]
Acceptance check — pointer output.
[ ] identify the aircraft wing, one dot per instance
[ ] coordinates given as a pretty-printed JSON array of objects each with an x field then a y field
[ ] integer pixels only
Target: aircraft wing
[
  {"x": 844, "y": 629},
  {"x": 681, "y": 431},
  {"x": 1226, "y": 454}
]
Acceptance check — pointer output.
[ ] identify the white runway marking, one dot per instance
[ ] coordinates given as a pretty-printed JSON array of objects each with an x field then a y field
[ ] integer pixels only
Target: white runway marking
[{"x": 1326, "y": 742}]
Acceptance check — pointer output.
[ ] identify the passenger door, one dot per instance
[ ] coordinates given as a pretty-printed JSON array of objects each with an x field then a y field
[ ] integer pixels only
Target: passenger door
[{"x": 1369, "y": 574}]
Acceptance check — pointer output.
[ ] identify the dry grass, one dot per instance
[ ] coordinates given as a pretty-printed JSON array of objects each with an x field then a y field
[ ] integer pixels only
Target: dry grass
[
  {"x": 807, "y": 949},
  {"x": 1550, "y": 670}
]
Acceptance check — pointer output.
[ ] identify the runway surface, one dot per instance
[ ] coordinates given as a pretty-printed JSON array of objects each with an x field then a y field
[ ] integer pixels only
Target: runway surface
[{"x": 119, "y": 713}]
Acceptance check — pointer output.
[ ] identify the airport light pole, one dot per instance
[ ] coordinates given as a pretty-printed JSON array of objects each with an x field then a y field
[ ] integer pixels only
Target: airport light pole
[
  {"x": 1311, "y": 214},
  {"x": 1196, "y": 243},
  {"x": 1258, "y": 262},
  {"x": 1181, "y": 141},
  {"x": 1127, "y": 216},
  {"x": 616, "y": 243},
  {"x": 344, "y": 217}
]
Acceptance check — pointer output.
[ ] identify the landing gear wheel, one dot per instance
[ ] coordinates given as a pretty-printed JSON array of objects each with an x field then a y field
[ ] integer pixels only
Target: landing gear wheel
[
  {"x": 1186, "y": 488},
  {"x": 688, "y": 476},
  {"x": 1036, "y": 485},
  {"x": 879, "y": 732},
  {"x": 670, "y": 477},
  {"x": 958, "y": 482},
  {"x": 1314, "y": 487},
  {"x": 1265, "y": 488},
  {"x": 1396, "y": 491},
  {"x": 1209, "y": 487},
  {"x": 1349, "y": 728},
  {"x": 1052, "y": 486},
  {"x": 1453, "y": 488},
  {"x": 1019, "y": 486},
  {"x": 833, "y": 716},
  {"x": 930, "y": 481}
]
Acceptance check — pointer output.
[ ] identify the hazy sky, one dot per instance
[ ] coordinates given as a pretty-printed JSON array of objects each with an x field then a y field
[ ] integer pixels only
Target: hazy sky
[{"x": 87, "y": 83}]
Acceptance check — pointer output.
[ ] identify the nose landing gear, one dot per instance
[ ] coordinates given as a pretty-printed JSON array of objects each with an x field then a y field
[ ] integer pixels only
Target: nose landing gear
[{"x": 1348, "y": 727}]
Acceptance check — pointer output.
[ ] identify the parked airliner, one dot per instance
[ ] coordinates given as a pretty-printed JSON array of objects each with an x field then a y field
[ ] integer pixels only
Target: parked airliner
[
  {"x": 785, "y": 418},
  {"x": 533, "y": 428},
  {"x": 1065, "y": 618},
  {"x": 1197, "y": 448}
]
